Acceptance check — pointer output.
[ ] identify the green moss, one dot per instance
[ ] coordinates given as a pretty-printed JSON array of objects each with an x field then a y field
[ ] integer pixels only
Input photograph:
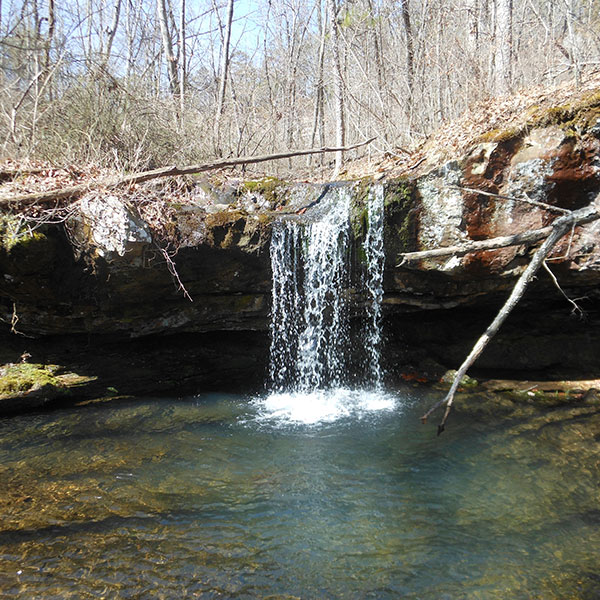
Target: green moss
[
  {"x": 224, "y": 218},
  {"x": 401, "y": 216},
  {"x": 267, "y": 187},
  {"x": 398, "y": 191},
  {"x": 245, "y": 302},
  {"x": 27, "y": 251},
  {"x": 573, "y": 118},
  {"x": 10, "y": 231},
  {"x": 265, "y": 217},
  {"x": 466, "y": 382},
  {"x": 500, "y": 135},
  {"x": 25, "y": 377},
  {"x": 541, "y": 397}
]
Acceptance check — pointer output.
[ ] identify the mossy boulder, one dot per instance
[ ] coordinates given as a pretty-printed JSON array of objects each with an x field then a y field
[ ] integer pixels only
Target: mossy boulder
[
  {"x": 25, "y": 377},
  {"x": 29, "y": 385},
  {"x": 270, "y": 188},
  {"x": 465, "y": 383}
]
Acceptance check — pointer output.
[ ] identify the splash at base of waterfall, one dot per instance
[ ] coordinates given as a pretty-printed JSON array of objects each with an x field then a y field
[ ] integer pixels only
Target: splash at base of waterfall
[{"x": 322, "y": 406}]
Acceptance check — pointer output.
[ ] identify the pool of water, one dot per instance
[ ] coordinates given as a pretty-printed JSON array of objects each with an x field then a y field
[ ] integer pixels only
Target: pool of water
[{"x": 222, "y": 496}]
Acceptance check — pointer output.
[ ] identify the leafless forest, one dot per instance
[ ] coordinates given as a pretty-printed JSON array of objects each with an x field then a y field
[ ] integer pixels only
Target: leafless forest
[{"x": 132, "y": 84}]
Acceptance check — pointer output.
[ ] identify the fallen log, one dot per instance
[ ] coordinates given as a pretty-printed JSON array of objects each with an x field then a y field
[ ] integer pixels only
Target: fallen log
[
  {"x": 171, "y": 171},
  {"x": 558, "y": 229}
]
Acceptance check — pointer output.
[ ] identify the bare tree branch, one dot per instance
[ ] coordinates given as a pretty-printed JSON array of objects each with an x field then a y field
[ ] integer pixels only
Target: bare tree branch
[
  {"x": 527, "y": 237},
  {"x": 576, "y": 308},
  {"x": 559, "y": 228},
  {"x": 545, "y": 205},
  {"x": 114, "y": 182},
  {"x": 518, "y": 239}
]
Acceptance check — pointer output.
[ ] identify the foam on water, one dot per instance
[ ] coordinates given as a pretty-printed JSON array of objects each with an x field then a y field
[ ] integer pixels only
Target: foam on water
[{"x": 322, "y": 406}]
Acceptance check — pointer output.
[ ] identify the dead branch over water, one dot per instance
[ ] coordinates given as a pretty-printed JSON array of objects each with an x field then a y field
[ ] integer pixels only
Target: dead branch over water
[{"x": 556, "y": 231}]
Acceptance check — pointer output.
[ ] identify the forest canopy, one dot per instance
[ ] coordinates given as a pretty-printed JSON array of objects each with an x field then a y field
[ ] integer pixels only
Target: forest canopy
[{"x": 134, "y": 85}]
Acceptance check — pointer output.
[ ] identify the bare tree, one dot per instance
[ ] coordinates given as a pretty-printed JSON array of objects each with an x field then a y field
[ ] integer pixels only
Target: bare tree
[
  {"x": 338, "y": 83},
  {"x": 318, "y": 114},
  {"x": 504, "y": 39},
  {"x": 167, "y": 42},
  {"x": 225, "y": 32},
  {"x": 112, "y": 31}
]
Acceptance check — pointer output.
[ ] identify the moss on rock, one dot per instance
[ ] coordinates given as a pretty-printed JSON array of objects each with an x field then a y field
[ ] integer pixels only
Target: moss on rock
[
  {"x": 25, "y": 377},
  {"x": 13, "y": 236},
  {"x": 573, "y": 118},
  {"x": 26, "y": 386},
  {"x": 267, "y": 187},
  {"x": 500, "y": 135},
  {"x": 401, "y": 216}
]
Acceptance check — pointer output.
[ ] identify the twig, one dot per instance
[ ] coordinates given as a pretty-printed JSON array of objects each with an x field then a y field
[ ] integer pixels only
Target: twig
[
  {"x": 415, "y": 165},
  {"x": 576, "y": 308},
  {"x": 13, "y": 322},
  {"x": 563, "y": 211},
  {"x": 174, "y": 274}
]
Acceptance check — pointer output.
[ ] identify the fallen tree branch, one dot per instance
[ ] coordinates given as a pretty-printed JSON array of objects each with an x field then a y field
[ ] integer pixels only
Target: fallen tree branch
[
  {"x": 559, "y": 228},
  {"x": 114, "y": 182},
  {"x": 10, "y": 174},
  {"x": 518, "y": 239}
]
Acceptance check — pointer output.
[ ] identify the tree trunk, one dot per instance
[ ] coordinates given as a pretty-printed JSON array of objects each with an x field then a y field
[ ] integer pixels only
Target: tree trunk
[
  {"x": 182, "y": 56},
  {"x": 338, "y": 83},
  {"x": 410, "y": 53},
  {"x": 224, "y": 72},
  {"x": 473, "y": 27},
  {"x": 112, "y": 33},
  {"x": 573, "y": 43},
  {"x": 168, "y": 46},
  {"x": 503, "y": 58},
  {"x": 318, "y": 110}
]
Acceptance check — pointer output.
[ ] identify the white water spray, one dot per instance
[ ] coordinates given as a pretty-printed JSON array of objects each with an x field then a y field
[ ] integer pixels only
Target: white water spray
[{"x": 308, "y": 321}]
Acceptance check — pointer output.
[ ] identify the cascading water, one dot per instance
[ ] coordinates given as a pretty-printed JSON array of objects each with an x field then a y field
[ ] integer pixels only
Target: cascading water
[
  {"x": 310, "y": 332},
  {"x": 373, "y": 247},
  {"x": 308, "y": 323}
]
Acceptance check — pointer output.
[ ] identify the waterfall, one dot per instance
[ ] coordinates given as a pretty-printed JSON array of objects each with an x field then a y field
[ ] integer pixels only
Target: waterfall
[
  {"x": 373, "y": 247},
  {"x": 310, "y": 268},
  {"x": 310, "y": 261}
]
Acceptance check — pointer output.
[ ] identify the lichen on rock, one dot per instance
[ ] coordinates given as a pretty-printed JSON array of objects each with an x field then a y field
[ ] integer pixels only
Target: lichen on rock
[
  {"x": 442, "y": 207},
  {"x": 108, "y": 225}
]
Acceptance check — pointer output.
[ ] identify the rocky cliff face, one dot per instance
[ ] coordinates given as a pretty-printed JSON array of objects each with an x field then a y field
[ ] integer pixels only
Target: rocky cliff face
[
  {"x": 121, "y": 267},
  {"x": 498, "y": 189}
]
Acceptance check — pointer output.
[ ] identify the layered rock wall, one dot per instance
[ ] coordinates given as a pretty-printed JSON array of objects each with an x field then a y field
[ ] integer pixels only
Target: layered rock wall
[{"x": 120, "y": 268}]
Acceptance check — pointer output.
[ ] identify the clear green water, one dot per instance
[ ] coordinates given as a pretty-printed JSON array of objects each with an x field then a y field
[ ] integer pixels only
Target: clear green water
[{"x": 212, "y": 498}]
